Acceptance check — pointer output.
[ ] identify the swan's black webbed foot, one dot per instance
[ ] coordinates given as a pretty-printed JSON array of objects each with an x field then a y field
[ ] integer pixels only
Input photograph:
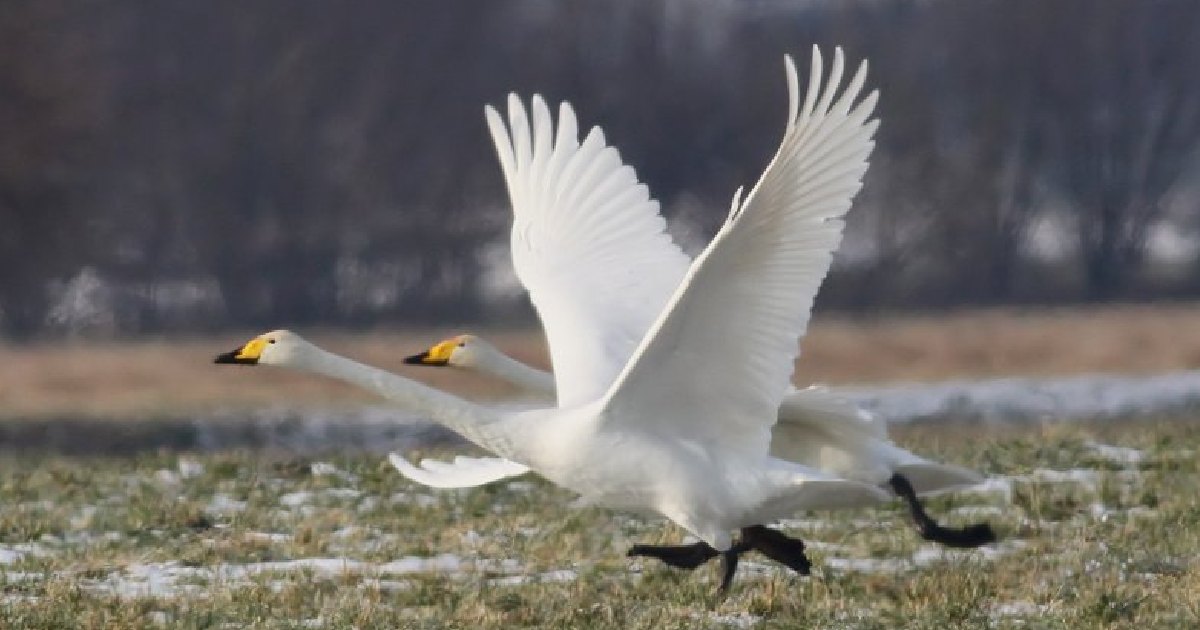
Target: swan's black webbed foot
[
  {"x": 678, "y": 556},
  {"x": 969, "y": 536},
  {"x": 779, "y": 547},
  {"x": 772, "y": 544}
]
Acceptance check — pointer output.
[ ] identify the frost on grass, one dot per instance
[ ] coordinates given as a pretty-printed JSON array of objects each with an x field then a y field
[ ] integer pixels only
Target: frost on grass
[
  {"x": 1081, "y": 519},
  {"x": 173, "y": 580}
]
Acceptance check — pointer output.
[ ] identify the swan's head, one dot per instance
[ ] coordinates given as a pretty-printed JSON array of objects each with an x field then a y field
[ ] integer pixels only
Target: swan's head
[
  {"x": 278, "y": 347},
  {"x": 458, "y": 351}
]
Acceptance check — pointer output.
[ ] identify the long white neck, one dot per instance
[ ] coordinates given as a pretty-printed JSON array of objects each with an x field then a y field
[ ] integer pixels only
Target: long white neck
[
  {"x": 495, "y": 363},
  {"x": 474, "y": 422}
]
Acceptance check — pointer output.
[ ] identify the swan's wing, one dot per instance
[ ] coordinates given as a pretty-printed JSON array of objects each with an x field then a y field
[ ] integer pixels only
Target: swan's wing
[
  {"x": 463, "y": 472},
  {"x": 588, "y": 243},
  {"x": 717, "y": 362}
]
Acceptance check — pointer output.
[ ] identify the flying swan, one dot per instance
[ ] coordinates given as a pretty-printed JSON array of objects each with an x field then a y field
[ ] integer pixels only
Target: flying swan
[
  {"x": 683, "y": 428},
  {"x": 814, "y": 428},
  {"x": 591, "y": 247}
]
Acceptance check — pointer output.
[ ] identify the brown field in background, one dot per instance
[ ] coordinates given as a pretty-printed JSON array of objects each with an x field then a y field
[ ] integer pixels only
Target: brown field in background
[{"x": 165, "y": 376}]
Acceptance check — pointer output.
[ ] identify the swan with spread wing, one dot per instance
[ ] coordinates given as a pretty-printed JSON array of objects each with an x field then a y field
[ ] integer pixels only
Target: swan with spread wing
[
  {"x": 591, "y": 247},
  {"x": 681, "y": 424}
]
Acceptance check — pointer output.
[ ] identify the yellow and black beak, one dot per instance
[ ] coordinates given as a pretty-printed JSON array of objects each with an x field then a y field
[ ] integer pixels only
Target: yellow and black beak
[
  {"x": 436, "y": 356},
  {"x": 248, "y": 354}
]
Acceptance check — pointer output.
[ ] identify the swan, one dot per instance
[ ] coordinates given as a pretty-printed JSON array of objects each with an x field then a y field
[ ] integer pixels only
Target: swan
[
  {"x": 814, "y": 427},
  {"x": 681, "y": 426},
  {"x": 591, "y": 248}
]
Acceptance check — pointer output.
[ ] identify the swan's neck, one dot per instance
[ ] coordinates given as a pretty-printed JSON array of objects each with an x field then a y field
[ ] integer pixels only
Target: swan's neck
[
  {"x": 499, "y": 365},
  {"x": 473, "y": 422}
]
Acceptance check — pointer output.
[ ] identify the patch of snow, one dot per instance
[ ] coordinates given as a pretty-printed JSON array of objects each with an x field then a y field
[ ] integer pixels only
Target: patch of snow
[
  {"x": 868, "y": 565},
  {"x": 12, "y": 577},
  {"x": 732, "y": 620},
  {"x": 561, "y": 575},
  {"x": 325, "y": 469},
  {"x": 1023, "y": 400},
  {"x": 224, "y": 505},
  {"x": 977, "y": 511},
  {"x": 9, "y": 599},
  {"x": 447, "y": 563},
  {"x": 10, "y": 554},
  {"x": 1116, "y": 454},
  {"x": 1019, "y": 609},
  {"x": 268, "y": 537},
  {"x": 1083, "y": 476},
  {"x": 342, "y": 493},
  {"x": 1103, "y": 513},
  {"x": 386, "y": 586},
  {"x": 419, "y": 500},
  {"x": 321, "y": 469},
  {"x": 190, "y": 468},
  {"x": 296, "y": 499}
]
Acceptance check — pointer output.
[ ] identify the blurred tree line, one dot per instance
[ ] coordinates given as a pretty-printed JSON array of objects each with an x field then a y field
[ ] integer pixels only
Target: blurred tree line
[{"x": 181, "y": 165}]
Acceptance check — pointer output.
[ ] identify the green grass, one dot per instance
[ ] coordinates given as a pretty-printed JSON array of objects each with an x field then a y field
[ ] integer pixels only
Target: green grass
[{"x": 1117, "y": 548}]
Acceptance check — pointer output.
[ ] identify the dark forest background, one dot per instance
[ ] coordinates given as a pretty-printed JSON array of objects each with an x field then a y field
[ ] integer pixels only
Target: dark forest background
[{"x": 194, "y": 166}]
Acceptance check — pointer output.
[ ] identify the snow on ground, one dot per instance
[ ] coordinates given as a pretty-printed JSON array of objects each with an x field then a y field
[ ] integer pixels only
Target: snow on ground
[
  {"x": 170, "y": 579},
  {"x": 995, "y": 401},
  {"x": 1019, "y": 400},
  {"x": 176, "y": 579}
]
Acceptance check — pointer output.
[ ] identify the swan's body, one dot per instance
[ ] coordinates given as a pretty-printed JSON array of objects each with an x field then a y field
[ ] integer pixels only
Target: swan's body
[
  {"x": 593, "y": 451},
  {"x": 669, "y": 374},
  {"x": 814, "y": 428}
]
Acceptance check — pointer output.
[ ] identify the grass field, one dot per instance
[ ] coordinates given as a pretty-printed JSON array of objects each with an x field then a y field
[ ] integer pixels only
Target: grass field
[
  {"x": 156, "y": 377},
  {"x": 1093, "y": 536}
]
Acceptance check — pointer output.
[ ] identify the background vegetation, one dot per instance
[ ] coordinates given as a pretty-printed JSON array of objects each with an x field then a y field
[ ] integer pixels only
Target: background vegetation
[{"x": 198, "y": 166}]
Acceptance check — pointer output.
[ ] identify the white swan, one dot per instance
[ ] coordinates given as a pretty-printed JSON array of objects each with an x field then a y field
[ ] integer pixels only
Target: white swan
[
  {"x": 815, "y": 427},
  {"x": 591, "y": 248},
  {"x": 684, "y": 428}
]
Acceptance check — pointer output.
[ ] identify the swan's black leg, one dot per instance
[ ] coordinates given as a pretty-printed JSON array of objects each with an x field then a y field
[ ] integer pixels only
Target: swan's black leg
[
  {"x": 777, "y": 546},
  {"x": 970, "y": 536},
  {"x": 772, "y": 544},
  {"x": 729, "y": 562},
  {"x": 678, "y": 556}
]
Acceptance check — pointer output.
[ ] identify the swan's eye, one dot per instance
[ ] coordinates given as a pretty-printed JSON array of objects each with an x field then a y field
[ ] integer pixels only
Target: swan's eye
[
  {"x": 462, "y": 344},
  {"x": 270, "y": 341}
]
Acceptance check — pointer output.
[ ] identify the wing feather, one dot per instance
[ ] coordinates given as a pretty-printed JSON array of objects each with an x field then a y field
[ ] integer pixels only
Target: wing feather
[
  {"x": 720, "y": 356},
  {"x": 588, "y": 243}
]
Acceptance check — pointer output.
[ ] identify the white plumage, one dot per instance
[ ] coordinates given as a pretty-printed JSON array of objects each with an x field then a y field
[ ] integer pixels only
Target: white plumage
[
  {"x": 682, "y": 428},
  {"x": 590, "y": 246}
]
